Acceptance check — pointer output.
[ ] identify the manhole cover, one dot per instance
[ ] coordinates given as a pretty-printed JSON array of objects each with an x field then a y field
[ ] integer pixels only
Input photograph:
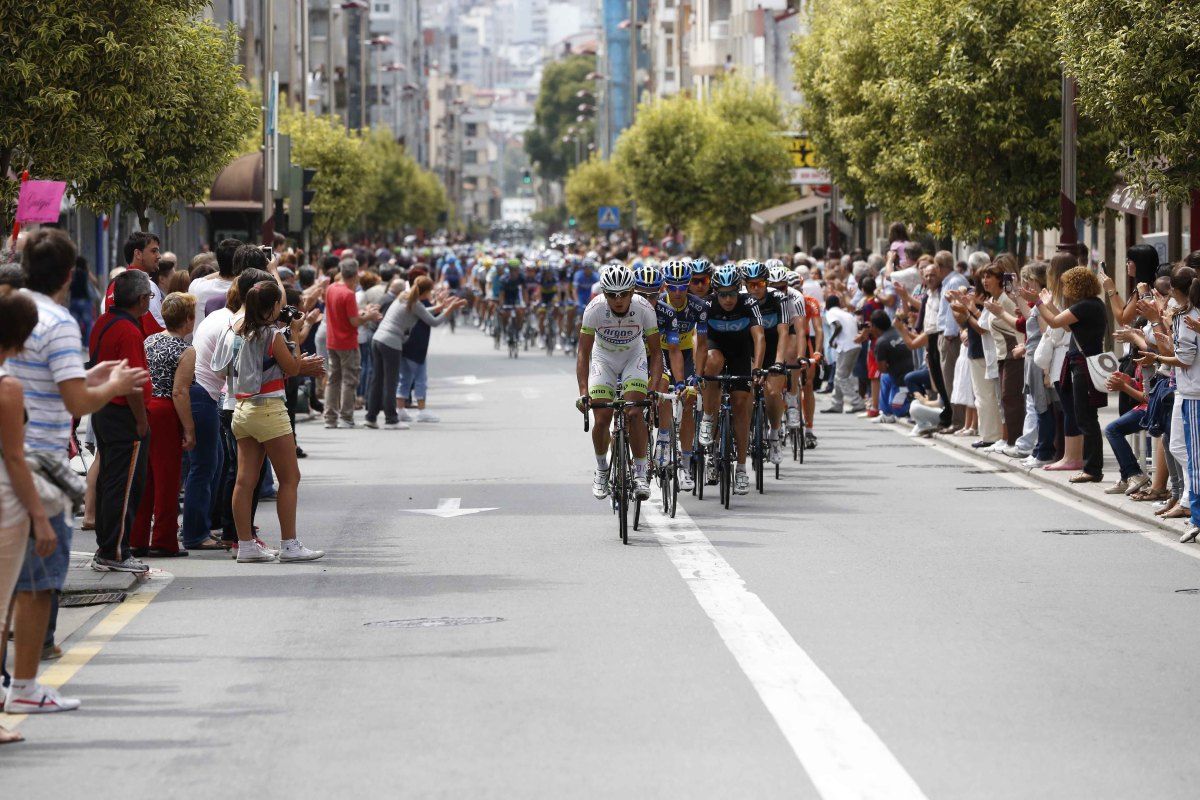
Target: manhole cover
[
  {"x": 77, "y": 600},
  {"x": 982, "y": 471},
  {"x": 1187, "y": 591},
  {"x": 432, "y": 622},
  {"x": 992, "y": 488},
  {"x": 1086, "y": 531}
]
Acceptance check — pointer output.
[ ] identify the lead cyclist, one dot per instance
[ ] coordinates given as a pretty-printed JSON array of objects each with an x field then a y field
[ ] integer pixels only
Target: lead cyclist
[{"x": 611, "y": 353}]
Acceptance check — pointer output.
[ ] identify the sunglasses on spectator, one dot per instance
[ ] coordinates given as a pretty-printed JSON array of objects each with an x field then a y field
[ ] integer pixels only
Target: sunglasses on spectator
[{"x": 618, "y": 295}]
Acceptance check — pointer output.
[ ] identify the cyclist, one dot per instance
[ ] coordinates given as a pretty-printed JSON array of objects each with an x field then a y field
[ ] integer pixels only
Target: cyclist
[
  {"x": 510, "y": 288},
  {"x": 700, "y": 284},
  {"x": 616, "y": 323},
  {"x": 648, "y": 284},
  {"x": 777, "y": 311},
  {"x": 735, "y": 343},
  {"x": 786, "y": 282},
  {"x": 493, "y": 288},
  {"x": 692, "y": 315},
  {"x": 547, "y": 294},
  {"x": 581, "y": 288}
]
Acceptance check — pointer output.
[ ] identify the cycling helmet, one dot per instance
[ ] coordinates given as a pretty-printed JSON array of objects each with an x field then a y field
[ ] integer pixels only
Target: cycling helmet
[
  {"x": 776, "y": 272},
  {"x": 753, "y": 270},
  {"x": 616, "y": 278},
  {"x": 701, "y": 266},
  {"x": 636, "y": 264},
  {"x": 726, "y": 277},
  {"x": 647, "y": 277},
  {"x": 771, "y": 263},
  {"x": 589, "y": 263},
  {"x": 795, "y": 280},
  {"x": 677, "y": 272}
]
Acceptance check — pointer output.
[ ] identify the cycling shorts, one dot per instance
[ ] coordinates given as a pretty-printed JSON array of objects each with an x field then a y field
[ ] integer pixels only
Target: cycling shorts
[
  {"x": 689, "y": 366},
  {"x": 547, "y": 299},
  {"x": 739, "y": 357},
  {"x": 608, "y": 369}
]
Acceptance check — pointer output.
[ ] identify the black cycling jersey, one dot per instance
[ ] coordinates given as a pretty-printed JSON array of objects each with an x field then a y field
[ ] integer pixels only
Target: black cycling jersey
[
  {"x": 733, "y": 324},
  {"x": 511, "y": 285}
]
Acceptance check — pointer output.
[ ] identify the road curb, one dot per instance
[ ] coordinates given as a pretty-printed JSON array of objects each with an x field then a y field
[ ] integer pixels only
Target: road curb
[{"x": 1091, "y": 493}]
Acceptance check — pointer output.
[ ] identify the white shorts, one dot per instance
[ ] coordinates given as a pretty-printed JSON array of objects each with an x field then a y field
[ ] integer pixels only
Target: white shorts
[{"x": 608, "y": 369}]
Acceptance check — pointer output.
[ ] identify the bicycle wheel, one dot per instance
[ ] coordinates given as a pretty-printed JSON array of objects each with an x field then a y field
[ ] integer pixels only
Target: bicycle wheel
[
  {"x": 621, "y": 485},
  {"x": 758, "y": 443},
  {"x": 672, "y": 476},
  {"x": 725, "y": 457},
  {"x": 551, "y": 335},
  {"x": 800, "y": 438}
]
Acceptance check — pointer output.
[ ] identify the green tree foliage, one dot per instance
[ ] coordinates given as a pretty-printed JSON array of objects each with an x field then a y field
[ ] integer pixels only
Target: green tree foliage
[
  {"x": 850, "y": 120},
  {"x": 978, "y": 87},
  {"x": 426, "y": 202},
  {"x": 744, "y": 167},
  {"x": 656, "y": 157},
  {"x": 735, "y": 99},
  {"x": 344, "y": 181},
  {"x": 74, "y": 76},
  {"x": 191, "y": 126},
  {"x": 556, "y": 109},
  {"x": 394, "y": 174},
  {"x": 593, "y": 184},
  {"x": 1138, "y": 69}
]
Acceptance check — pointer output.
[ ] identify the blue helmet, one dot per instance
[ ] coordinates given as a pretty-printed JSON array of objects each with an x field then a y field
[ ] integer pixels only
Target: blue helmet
[
  {"x": 701, "y": 266},
  {"x": 647, "y": 277},
  {"x": 677, "y": 272},
  {"x": 753, "y": 270},
  {"x": 726, "y": 277}
]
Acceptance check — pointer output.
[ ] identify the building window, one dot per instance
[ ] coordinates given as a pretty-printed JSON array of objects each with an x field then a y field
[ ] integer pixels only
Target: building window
[
  {"x": 472, "y": 130},
  {"x": 471, "y": 157}
]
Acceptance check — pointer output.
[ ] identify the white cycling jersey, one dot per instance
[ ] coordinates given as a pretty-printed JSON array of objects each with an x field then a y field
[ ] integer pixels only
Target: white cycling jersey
[{"x": 619, "y": 333}]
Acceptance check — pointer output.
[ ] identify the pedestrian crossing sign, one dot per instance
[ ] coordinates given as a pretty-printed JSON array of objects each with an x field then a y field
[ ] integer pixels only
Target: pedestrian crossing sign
[{"x": 609, "y": 218}]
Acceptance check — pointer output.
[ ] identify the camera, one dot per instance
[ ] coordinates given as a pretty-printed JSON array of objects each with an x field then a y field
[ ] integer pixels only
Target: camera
[
  {"x": 1009, "y": 279},
  {"x": 291, "y": 314}
]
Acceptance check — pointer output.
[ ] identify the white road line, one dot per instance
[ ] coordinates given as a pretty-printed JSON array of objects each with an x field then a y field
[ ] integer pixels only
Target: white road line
[
  {"x": 845, "y": 759},
  {"x": 1117, "y": 520}
]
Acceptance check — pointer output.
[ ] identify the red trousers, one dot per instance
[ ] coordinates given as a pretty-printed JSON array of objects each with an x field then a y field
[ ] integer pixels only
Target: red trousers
[{"x": 160, "y": 498}]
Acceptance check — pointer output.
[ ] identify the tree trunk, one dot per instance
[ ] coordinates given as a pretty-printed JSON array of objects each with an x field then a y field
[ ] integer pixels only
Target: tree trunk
[
  {"x": 1010, "y": 234},
  {"x": 7, "y": 213}
]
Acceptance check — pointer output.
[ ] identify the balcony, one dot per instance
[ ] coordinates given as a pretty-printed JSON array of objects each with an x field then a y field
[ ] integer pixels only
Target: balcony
[{"x": 718, "y": 31}]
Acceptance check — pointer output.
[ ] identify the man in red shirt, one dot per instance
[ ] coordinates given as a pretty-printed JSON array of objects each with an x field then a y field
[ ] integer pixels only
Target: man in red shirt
[
  {"x": 122, "y": 426},
  {"x": 142, "y": 251},
  {"x": 342, "y": 320}
]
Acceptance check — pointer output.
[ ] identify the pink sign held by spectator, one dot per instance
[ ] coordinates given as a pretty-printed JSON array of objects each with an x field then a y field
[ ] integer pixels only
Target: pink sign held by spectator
[{"x": 40, "y": 201}]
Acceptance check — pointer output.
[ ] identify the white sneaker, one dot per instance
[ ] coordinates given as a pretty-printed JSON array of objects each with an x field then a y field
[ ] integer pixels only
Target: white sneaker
[
  {"x": 396, "y": 426},
  {"x": 887, "y": 419},
  {"x": 600, "y": 484},
  {"x": 706, "y": 432},
  {"x": 426, "y": 416},
  {"x": 776, "y": 454},
  {"x": 661, "y": 452},
  {"x": 641, "y": 487},
  {"x": 793, "y": 418},
  {"x": 1117, "y": 488},
  {"x": 405, "y": 416},
  {"x": 1033, "y": 462},
  {"x": 253, "y": 552},
  {"x": 1137, "y": 483},
  {"x": 686, "y": 484},
  {"x": 741, "y": 482},
  {"x": 293, "y": 550},
  {"x": 38, "y": 699},
  {"x": 996, "y": 447},
  {"x": 1189, "y": 535}
]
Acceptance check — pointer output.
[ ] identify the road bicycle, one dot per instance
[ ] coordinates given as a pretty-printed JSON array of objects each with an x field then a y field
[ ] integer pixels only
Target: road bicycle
[
  {"x": 724, "y": 455},
  {"x": 620, "y": 461},
  {"x": 796, "y": 435},
  {"x": 758, "y": 437},
  {"x": 550, "y": 332},
  {"x": 666, "y": 473},
  {"x": 511, "y": 331},
  {"x": 697, "y": 463}
]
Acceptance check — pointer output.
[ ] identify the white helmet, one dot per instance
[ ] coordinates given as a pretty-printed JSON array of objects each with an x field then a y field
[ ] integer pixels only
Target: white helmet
[
  {"x": 776, "y": 272},
  {"x": 616, "y": 278}
]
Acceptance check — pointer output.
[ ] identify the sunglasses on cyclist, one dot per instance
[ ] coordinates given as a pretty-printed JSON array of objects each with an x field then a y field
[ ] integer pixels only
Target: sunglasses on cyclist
[
  {"x": 677, "y": 289},
  {"x": 756, "y": 284},
  {"x": 618, "y": 295},
  {"x": 731, "y": 293}
]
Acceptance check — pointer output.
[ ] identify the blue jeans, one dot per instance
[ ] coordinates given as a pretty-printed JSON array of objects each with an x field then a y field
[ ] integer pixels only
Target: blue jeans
[
  {"x": 412, "y": 380},
  {"x": 1190, "y": 412},
  {"x": 888, "y": 389},
  {"x": 364, "y": 375},
  {"x": 1044, "y": 449},
  {"x": 203, "y": 477},
  {"x": 918, "y": 380},
  {"x": 1128, "y": 423}
]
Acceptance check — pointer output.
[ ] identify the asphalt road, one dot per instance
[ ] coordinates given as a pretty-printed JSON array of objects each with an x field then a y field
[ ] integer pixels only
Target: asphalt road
[{"x": 887, "y": 621}]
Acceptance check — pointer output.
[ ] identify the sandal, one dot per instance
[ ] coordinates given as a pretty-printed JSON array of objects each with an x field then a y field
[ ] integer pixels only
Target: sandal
[
  {"x": 1178, "y": 512},
  {"x": 1167, "y": 508},
  {"x": 9, "y": 737},
  {"x": 1083, "y": 477},
  {"x": 209, "y": 544},
  {"x": 1148, "y": 494}
]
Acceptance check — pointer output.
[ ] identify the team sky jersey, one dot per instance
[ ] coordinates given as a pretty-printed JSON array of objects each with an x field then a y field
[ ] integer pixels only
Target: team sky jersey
[
  {"x": 619, "y": 333},
  {"x": 776, "y": 309},
  {"x": 693, "y": 320},
  {"x": 734, "y": 323}
]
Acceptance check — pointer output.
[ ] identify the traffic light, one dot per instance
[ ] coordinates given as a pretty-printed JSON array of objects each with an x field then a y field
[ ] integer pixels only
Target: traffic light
[
  {"x": 526, "y": 177},
  {"x": 300, "y": 198}
]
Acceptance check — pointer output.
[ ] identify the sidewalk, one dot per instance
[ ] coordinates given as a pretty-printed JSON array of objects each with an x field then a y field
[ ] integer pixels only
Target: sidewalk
[{"x": 1092, "y": 493}]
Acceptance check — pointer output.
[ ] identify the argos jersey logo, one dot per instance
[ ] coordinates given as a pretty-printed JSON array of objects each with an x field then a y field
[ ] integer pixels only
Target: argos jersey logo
[{"x": 620, "y": 335}]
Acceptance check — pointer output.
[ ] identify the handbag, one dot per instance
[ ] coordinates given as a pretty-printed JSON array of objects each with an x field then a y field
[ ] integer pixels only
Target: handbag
[
  {"x": 59, "y": 483},
  {"x": 1100, "y": 367},
  {"x": 1043, "y": 354}
]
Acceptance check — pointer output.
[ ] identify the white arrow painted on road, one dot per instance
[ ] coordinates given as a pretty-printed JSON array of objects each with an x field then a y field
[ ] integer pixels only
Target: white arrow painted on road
[
  {"x": 471, "y": 380},
  {"x": 448, "y": 507}
]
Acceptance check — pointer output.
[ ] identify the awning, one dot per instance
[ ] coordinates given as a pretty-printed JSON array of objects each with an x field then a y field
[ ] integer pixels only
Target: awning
[
  {"x": 760, "y": 220},
  {"x": 238, "y": 187}
]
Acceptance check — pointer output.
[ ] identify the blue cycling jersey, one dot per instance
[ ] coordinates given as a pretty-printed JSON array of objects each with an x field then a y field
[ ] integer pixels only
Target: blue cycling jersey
[{"x": 583, "y": 286}]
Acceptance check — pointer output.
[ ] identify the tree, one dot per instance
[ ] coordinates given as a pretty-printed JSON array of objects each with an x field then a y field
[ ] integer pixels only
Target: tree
[
  {"x": 556, "y": 109},
  {"x": 1136, "y": 65},
  {"x": 343, "y": 182},
  {"x": 735, "y": 99},
  {"x": 853, "y": 124},
  {"x": 395, "y": 175},
  {"x": 74, "y": 76},
  {"x": 656, "y": 158},
  {"x": 593, "y": 184},
  {"x": 977, "y": 88},
  {"x": 744, "y": 168},
  {"x": 427, "y": 202},
  {"x": 192, "y": 125}
]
